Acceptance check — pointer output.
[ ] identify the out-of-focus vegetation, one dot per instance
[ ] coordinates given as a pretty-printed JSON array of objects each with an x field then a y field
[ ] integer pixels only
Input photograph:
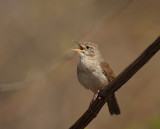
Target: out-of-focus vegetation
[
  {"x": 153, "y": 122},
  {"x": 38, "y": 84}
]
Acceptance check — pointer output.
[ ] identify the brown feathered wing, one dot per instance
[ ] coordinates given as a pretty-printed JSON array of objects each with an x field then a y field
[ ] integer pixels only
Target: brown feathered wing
[{"x": 112, "y": 102}]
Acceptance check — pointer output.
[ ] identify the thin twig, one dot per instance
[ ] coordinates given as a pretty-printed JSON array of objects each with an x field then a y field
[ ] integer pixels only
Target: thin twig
[{"x": 116, "y": 84}]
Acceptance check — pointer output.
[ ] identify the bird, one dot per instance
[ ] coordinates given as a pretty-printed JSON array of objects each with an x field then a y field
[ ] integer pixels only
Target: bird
[{"x": 94, "y": 73}]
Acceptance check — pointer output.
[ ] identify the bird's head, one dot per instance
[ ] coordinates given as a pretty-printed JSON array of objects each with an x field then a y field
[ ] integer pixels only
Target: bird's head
[{"x": 87, "y": 49}]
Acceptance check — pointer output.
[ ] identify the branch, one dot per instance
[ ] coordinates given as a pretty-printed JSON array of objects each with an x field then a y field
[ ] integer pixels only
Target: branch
[{"x": 116, "y": 84}]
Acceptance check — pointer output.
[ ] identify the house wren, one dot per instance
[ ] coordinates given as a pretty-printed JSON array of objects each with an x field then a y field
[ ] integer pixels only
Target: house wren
[{"x": 94, "y": 73}]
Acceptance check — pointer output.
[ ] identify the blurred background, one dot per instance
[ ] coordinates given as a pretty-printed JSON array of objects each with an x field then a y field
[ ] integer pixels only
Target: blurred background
[{"x": 38, "y": 82}]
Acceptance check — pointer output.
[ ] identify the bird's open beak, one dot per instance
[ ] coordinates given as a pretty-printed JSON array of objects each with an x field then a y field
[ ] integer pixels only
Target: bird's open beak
[{"x": 80, "y": 47}]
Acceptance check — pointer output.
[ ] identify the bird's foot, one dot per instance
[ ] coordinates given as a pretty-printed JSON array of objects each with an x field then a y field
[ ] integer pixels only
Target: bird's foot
[
  {"x": 93, "y": 99},
  {"x": 95, "y": 96}
]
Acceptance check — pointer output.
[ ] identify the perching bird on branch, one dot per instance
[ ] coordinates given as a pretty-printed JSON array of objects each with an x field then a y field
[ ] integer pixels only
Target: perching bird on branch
[{"x": 94, "y": 73}]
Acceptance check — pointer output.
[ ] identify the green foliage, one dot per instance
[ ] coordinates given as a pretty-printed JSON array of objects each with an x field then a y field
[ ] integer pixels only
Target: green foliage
[
  {"x": 154, "y": 122},
  {"x": 133, "y": 126}
]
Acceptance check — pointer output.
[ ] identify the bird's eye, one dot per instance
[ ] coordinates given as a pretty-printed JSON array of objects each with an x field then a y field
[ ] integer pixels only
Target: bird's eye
[{"x": 87, "y": 47}]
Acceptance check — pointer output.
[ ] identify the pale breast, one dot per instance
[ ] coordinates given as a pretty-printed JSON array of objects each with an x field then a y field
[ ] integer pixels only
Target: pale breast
[{"x": 90, "y": 76}]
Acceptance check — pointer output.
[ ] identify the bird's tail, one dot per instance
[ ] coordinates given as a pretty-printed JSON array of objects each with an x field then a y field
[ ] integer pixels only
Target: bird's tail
[{"x": 113, "y": 105}]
